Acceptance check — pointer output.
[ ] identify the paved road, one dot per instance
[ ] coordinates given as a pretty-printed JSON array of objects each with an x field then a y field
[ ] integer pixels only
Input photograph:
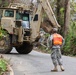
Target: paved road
[{"x": 37, "y": 63}]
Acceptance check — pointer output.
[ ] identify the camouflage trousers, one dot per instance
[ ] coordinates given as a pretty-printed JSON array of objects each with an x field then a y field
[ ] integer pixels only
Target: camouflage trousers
[{"x": 56, "y": 56}]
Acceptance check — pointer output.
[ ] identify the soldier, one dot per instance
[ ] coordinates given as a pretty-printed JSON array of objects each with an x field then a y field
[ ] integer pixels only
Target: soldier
[{"x": 56, "y": 41}]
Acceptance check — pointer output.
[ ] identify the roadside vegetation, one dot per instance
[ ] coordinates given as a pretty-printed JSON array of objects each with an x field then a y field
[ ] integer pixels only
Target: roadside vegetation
[
  {"x": 2, "y": 33},
  {"x": 3, "y": 66},
  {"x": 70, "y": 39}
]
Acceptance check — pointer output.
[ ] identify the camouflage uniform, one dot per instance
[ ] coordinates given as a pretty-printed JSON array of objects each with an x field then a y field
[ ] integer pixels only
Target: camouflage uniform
[
  {"x": 56, "y": 56},
  {"x": 55, "y": 52}
]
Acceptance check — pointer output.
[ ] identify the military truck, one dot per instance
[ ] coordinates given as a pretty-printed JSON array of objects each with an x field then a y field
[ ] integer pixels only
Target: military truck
[{"x": 22, "y": 24}]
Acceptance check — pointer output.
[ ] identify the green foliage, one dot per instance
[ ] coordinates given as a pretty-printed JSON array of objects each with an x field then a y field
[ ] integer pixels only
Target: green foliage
[
  {"x": 61, "y": 18},
  {"x": 0, "y": 1},
  {"x": 47, "y": 35},
  {"x": 70, "y": 41},
  {"x": 73, "y": 45},
  {"x": 3, "y": 66},
  {"x": 66, "y": 49},
  {"x": 62, "y": 10},
  {"x": 73, "y": 38},
  {"x": 2, "y": 33},
  {"x": 4, "y": 3},
  {"x": 73, "y": 7}
]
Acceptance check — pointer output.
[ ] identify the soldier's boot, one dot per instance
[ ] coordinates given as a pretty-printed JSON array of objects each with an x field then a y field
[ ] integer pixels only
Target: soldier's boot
[
  {"x": 62, "y": 68},
  {"x": 55, "y": 69}
]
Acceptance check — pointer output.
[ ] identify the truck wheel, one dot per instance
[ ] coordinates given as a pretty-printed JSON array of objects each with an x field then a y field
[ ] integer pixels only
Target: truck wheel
[
  {"x": 5, "y": 46},
  {"x": 25, "y": 48}
]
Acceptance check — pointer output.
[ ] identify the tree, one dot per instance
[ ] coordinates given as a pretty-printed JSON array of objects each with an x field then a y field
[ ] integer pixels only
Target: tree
[{"x": 66, "y": 17}]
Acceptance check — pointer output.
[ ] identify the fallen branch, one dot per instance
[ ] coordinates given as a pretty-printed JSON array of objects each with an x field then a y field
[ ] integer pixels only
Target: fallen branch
[{"x": 11, "y": 70}]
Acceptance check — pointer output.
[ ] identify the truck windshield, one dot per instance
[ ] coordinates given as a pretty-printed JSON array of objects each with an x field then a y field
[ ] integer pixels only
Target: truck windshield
[
  {"x": 18, "y": 15},
  {"x": 9, "y": 13}
]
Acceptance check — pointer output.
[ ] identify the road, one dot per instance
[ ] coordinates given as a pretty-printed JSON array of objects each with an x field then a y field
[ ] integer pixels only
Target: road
[{"x": 37, "y": 63}]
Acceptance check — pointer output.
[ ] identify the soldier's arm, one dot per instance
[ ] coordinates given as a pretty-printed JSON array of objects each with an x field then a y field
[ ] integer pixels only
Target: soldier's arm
[{"x": 49, "y": 42}]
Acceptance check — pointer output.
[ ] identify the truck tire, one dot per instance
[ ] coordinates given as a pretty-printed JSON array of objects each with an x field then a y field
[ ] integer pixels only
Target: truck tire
[
  {"x": 5, "y": 46},
  {"x": 25, "y": 48}
]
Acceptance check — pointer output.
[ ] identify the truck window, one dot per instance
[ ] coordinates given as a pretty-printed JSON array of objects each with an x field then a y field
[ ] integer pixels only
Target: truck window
[
  {"x": 18, "y": 16},
  {"x": 9, "y": 13},
  {"x": 36, "y": 17},
  {"x": 25, "y": 17}
]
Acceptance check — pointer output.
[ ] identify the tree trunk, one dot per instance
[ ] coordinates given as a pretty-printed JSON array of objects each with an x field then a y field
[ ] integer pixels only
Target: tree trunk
[
  {"x": 58, "y": 10},
  {"x": 66, "y": 17}
]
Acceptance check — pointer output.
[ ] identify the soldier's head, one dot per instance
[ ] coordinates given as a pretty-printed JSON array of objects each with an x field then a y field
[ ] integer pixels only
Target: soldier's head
[{"x": 54, "y": 30}]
